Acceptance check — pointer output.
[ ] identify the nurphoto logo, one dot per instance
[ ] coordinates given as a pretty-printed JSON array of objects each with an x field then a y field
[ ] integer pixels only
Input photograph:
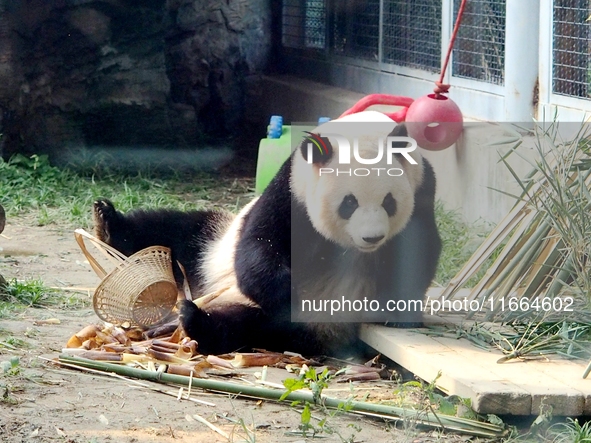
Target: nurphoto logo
[{"x": 387, "y": 147}]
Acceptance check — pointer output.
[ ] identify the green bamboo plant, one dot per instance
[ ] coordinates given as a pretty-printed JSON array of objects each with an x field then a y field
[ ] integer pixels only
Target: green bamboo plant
[
  {"x": 540, "y": 282},
  {"x": 545, "y": 239}
]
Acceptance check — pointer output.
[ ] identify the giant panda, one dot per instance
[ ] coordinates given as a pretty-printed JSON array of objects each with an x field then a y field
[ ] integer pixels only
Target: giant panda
[{"x": 309, "y": 236}]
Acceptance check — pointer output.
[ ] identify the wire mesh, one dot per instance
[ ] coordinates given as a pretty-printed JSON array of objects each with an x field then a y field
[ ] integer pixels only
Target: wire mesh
[
  {"x": 356, "y": 29},
  {"x": 571, "y": 48},
  {"x": 412, "y": 33},
  {"x": 304, "y": 24},
  {"x": 479, "y": 51}
]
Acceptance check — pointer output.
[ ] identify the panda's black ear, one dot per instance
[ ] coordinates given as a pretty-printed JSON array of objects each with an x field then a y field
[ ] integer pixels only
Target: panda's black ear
[
  {"x": 399, "y": 130},
  {"x": 315, "y": 149}
]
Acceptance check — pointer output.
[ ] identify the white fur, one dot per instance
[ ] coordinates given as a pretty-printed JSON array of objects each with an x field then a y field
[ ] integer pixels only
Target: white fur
[
  {"x": 322, "y": 194},
  {"x": 218, "y": 264}
]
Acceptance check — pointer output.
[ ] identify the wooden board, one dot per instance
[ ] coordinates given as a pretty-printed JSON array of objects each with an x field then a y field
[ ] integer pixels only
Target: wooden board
[{"x": 515, "y": 387}]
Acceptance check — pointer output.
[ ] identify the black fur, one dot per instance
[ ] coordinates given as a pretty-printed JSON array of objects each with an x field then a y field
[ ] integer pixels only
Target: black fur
[
  {"x": 225, "y": 327},
  {"x": 413, "y": 254},
  {"x": 185, "y": 233}
]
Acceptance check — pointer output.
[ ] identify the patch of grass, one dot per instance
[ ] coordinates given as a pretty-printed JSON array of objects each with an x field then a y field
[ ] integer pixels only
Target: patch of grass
[
  {"x": 31, "y": 186},
  {"x": 316, "y": 382},
  {"x": 427, "y": 396},
  {"x": 15, "y": 377},
  {"x": 13, "y": 343},
  {"x": 29, "y": 293},
  {"x": 459, "y": 241},
  {"x": 17, "y": 295},
  {"x": 9, "y": 369},
  {"x": 570, "y": 432}
]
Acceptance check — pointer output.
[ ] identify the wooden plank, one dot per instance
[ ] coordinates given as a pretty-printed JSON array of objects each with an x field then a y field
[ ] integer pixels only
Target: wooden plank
[
  {"x": 515, "y": 387},
  {"x": 570, "y": 373},
  {"x": 528, "y": 375},
  {"x": 426, "y": 357}
]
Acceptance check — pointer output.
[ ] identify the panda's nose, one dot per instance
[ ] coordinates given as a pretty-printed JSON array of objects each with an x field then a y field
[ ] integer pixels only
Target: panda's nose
[{"x": 373, "y": 240}]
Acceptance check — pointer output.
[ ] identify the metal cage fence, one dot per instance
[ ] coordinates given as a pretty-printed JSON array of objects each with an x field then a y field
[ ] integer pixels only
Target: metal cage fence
[
  {"x": 479, "y": 51},
  {"x": 355, "y": 29},
  {"x": 412, "y": 33},
  {"x": 304, "y": 24},
  {"x": 571, "y": 67}
]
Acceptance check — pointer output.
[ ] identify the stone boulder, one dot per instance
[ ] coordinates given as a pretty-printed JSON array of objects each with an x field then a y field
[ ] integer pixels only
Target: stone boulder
[{"x": 82, "y": 73}]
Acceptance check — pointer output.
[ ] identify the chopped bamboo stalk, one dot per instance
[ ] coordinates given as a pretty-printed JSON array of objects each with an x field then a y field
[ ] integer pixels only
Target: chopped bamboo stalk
[
  {"x": 499, "y": 264},
  {"x": 364, "y": 376},
  {"x": 543, "y": 267},
  {"x": 217, "y": 361},
  {"x": 520, "y": 263},
  {"x": 134, "y": 358},
  {"x": 162, "y": 330},
  {"x": 112, "y": 347},
  {"x": 208, "y": 298},
  {"x": 541, "y": 230},
  {"x": 186, "y": 293},
  {"x": 184, "y": 370},
  {"x": 162, "y": 349},
  {"x": 166, "y": 344},
  {"x": 211, "y": 426},
  {"x": 187, "y": 350},
  {"x": 587, "y": 370},
  {"x": 245, "y": 360},
  {"x": 101, "y": 355},
  {"x": 166, "y": 357}
]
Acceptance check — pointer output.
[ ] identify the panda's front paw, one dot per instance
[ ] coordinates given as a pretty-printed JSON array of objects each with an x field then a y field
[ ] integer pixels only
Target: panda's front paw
[
  {"x": 189, "y": 315},
  {"x": 104, "y": 214},
  {"x": 405, "y": 320},
  {"x": 405, "y": 324}
]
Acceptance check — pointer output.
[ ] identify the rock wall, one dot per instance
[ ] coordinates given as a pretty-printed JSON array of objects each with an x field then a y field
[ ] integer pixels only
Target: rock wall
[{"x": 126, "y": 72}]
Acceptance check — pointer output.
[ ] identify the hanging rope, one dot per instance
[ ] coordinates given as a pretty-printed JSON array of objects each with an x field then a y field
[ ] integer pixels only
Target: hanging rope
[{"x": 440, "y": 87}]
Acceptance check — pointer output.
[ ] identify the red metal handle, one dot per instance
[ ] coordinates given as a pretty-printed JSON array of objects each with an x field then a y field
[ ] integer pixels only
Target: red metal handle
[{"x": 382, "y": 99}]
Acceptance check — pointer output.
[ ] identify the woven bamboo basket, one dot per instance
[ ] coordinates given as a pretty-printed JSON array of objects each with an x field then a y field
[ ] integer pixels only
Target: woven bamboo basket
[{"x": 140, "y": 289}]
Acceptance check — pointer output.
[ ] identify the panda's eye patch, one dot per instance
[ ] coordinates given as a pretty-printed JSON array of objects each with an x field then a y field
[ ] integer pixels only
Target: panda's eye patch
[
  {"x": 389, "y": 205},
  {"x": 348, "y": 207}
]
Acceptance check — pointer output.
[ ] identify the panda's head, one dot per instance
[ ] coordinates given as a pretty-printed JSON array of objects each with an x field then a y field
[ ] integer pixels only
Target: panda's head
[{"x": 356, "y": 210}]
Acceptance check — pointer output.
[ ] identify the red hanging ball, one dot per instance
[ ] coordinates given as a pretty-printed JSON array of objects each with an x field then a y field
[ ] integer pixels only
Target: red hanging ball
[{"x": 434, "y": 121}]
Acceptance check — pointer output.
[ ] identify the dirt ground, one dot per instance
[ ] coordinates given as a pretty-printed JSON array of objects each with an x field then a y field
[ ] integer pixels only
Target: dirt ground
[{"x": 47, "y": 403}]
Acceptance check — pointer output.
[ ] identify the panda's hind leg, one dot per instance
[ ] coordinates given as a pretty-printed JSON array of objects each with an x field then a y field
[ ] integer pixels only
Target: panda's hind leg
[
  {"x": 107, "y": 220},
  {"x": 121, "y": 231}
]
